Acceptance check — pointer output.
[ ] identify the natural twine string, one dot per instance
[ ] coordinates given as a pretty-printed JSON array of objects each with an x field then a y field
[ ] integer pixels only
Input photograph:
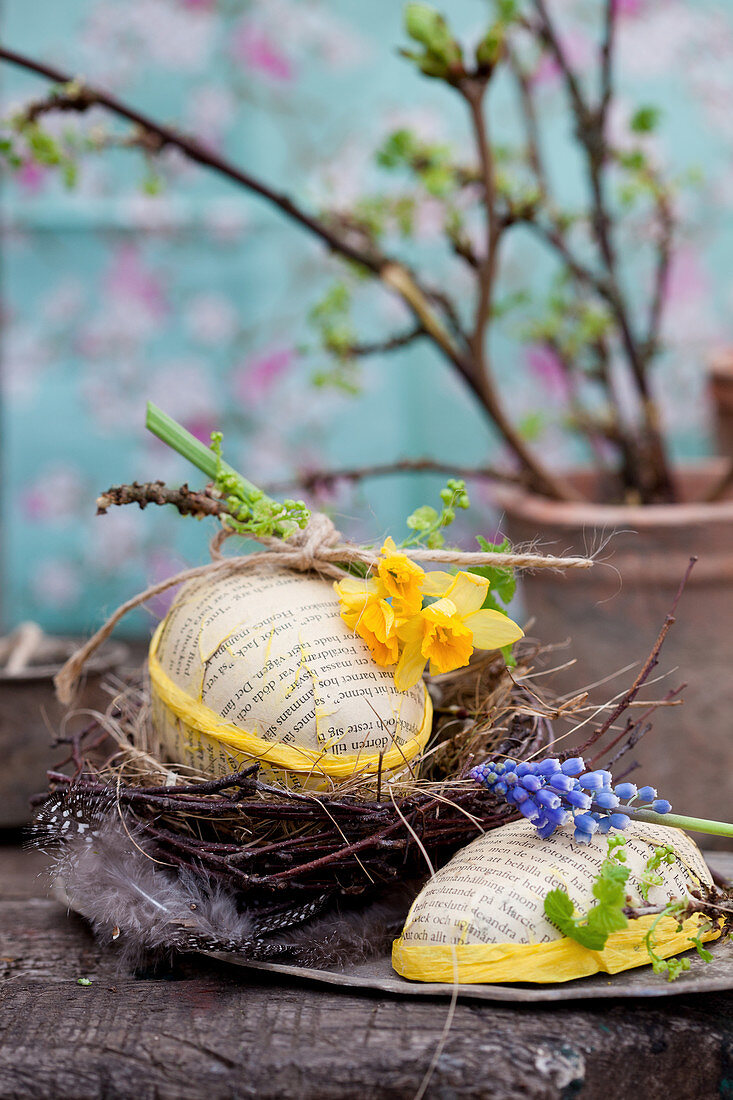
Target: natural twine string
[{"x": 319, "y": 548}]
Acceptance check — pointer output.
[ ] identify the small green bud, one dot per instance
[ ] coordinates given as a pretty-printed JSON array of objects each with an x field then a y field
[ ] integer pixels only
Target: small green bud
[
  {"x": 429, "y": 65},
  {"x": 448, "y": 516},
  {"x": 69, "y": 173},
  {"x": 428, "y": 27},
  {"x": 152, "y": 184},
  {"x": 491, "y": 47},
  {"x": 446, "y": 495},
  {"x": 507, "y": 10}
]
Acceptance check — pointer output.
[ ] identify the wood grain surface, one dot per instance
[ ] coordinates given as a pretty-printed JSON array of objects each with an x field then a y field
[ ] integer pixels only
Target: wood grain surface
[{"x": 201, "y": 1029}]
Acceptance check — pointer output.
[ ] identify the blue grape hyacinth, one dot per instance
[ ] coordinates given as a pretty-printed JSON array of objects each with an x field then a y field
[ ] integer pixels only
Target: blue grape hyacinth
[{"x": 552, "y": 793}]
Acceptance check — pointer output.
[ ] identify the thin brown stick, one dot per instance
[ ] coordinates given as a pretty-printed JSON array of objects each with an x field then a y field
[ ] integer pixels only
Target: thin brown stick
[
  {"x": 591, "y": 134},
  {"x": 188, "y": 502},
  {"x": 646, "y": 670},
  {"x": 531, "y": 125},
  {"x": 312, "y": 480},
  {"x": 633, "y": 728},
  {"x": 473, "y": 91},
  {"x": 661, "y": 275},
  {"x": 607, "y": 49},
  {"x": 392, "y": 343}
]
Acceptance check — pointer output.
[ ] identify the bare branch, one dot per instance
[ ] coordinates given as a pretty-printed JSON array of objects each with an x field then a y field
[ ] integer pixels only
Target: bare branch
[
  {"x": 187, "y": 501},
  {"x": 393, "y": 273},
  {"x": 590, "y": 128},
  {"x": 666, "y": 230},
  {"x": 462, "y": 247},
  {"x": 473, "y": 92},
  {"x": 400, "y": 340},
  {"x": 529, "y": 113},
  {"x": 313, "y": 480},
  {"x": 607, "y": 47}
]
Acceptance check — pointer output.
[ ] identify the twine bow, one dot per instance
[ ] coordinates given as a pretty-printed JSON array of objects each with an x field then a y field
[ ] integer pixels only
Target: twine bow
[{"x": 318, "y": 548}]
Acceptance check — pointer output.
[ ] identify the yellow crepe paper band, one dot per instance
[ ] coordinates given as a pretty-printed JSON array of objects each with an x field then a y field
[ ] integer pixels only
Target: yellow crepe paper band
[
  {"x": 558, "y": 961},
  {"x": 198, "y": 717}
]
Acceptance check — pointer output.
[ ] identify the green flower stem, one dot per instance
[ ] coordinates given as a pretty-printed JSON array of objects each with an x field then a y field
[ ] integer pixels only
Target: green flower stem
[
  {"x": 677, "y": 821},
  {"x": 253, "y": 512},
  {"x": 176, "y": 436}
]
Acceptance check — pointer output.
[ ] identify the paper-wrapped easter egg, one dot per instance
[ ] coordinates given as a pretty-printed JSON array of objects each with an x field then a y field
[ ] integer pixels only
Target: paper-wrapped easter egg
[
  {"x": 261, "y": 667},
  {"x": 481, "y": 917}
]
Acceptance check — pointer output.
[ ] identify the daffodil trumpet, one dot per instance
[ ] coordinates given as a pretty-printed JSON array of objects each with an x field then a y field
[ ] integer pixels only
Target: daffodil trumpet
[{"x": 390, "y": 613}]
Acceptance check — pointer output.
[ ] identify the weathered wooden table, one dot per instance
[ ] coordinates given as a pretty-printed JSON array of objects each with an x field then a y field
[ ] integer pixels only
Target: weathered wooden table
[{"x": 207, "y": 1030}]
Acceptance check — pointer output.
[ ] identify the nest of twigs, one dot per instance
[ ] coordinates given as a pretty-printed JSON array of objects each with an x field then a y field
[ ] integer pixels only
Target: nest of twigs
[
  {"x": 277, "y": 847},
  {"x": 184, "y": 861}
]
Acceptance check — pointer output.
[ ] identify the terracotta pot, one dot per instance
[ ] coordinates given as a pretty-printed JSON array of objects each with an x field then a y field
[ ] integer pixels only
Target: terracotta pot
[
  {"x": 720, "y": 387},
  {"x": 31, "y": 716},
  {"x": 613, "y": 612}
]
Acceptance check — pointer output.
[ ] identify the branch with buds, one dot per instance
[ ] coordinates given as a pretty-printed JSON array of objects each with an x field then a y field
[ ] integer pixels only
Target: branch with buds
[{"x": 602, "y": 326}]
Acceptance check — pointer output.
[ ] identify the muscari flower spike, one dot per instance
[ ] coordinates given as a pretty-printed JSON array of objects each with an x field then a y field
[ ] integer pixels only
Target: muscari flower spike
[{"x": 552, "y": 793}]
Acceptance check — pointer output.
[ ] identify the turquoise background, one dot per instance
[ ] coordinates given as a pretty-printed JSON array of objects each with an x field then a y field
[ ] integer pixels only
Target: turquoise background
[{"x": 197, "y": 297}]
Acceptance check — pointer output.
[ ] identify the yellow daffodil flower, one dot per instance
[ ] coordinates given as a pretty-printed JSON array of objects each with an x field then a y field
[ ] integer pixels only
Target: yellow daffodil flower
[
  {"x": 446, "y": 632},
  {"x": 364, "y": 611},
  {"x": 402, "y": 580}
]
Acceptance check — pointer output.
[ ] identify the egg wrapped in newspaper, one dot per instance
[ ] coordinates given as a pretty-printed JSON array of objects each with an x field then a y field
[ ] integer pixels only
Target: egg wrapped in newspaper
[
  {"x": 481, "y": 917},
  {"x": 262, "y": 667}
]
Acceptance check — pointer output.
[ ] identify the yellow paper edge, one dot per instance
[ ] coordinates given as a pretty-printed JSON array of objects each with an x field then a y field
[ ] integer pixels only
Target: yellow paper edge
[
  {"x": 560, "y": 960},
  {"x": 203, "y": 719}
]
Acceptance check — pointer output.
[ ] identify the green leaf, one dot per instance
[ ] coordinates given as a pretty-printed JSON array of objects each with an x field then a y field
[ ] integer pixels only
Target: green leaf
[
  {"x": 397, "y": 148},
  {"x": 704, "y": 954},
  {"x": 502, "y": 581},
  {"x": 605, "y": 919},
  {"x": 438, "y": 179},
  {"x": 559, "y": 909},
  {"x": 532, "y": 426},
  {"x": 645, "y": 119},
  {"x": 45, "y": 149},
  {"x": 422, "y": 518},
  {"x": 606, "y": 916},
  {"x": 633, "y": 160},
  {"x": 610, "y": 885}
]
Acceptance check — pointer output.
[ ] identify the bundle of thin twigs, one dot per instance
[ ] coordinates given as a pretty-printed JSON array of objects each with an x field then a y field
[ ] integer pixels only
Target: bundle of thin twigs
[{"x": 276, "y": 847}]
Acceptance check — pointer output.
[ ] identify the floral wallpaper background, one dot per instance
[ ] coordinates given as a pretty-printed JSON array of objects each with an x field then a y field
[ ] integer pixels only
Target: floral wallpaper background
[{"x": 196, "y": 297}]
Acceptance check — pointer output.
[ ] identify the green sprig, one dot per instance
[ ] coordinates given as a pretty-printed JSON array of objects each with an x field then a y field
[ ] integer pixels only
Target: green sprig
[
  {"x": 255, "y": 513},
  {"x": 428, "y": 523},
  {"x": 607, "y": 915},
  {"x": 651, "y": 876}
]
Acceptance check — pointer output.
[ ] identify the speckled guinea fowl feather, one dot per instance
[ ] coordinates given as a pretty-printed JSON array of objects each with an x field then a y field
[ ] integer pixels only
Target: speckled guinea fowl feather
[{"x": 104, "y": 865}]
